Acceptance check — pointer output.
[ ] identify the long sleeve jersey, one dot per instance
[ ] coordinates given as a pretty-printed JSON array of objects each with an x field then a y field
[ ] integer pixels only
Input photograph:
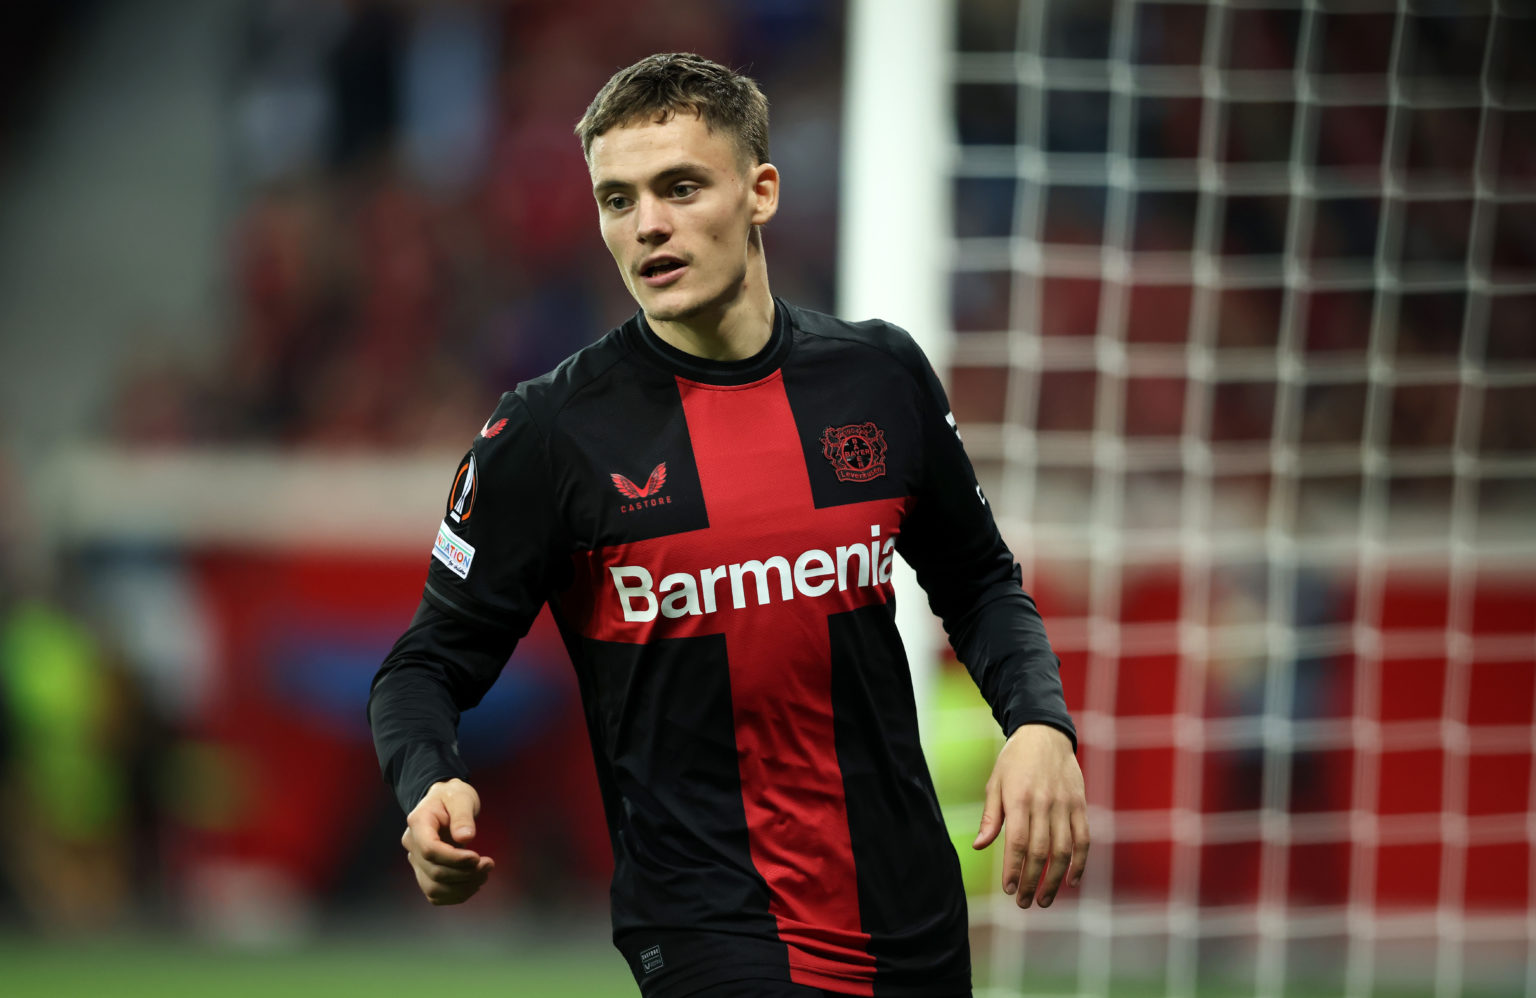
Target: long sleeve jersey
[{"x": 715, "y": 541}]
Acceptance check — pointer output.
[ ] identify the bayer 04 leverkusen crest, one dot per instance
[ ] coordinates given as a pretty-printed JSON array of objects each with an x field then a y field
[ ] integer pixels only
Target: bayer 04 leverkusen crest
[{"x": 857, "y": 451}]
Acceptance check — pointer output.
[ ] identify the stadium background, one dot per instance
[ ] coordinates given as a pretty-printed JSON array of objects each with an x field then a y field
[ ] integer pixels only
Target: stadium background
[{"x": 1237, "y": 304}]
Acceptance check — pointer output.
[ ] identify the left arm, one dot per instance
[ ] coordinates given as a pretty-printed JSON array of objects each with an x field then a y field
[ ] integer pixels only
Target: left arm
[{"x": 975, "y": 587}]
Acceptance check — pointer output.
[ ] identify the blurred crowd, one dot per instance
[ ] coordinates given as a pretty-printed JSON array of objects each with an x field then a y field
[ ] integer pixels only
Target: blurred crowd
[{"x": 415, "y": 229}]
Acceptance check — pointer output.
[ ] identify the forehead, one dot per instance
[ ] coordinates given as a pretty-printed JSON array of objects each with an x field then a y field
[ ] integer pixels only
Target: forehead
[{"x": 642, "y": 148}]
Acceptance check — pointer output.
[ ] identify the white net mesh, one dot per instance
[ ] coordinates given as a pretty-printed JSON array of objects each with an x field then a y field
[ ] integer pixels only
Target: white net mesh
[{"x": 1244, "y": 308}]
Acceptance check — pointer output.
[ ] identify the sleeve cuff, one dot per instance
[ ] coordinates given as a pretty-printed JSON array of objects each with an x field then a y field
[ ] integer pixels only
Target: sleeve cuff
[
  {"x": 1063, "y": 725},
  {"x": 429, "y": 764}
]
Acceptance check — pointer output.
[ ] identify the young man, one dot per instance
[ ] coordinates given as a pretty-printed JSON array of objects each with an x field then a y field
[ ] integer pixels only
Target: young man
[{"x": 774, "y": 828}]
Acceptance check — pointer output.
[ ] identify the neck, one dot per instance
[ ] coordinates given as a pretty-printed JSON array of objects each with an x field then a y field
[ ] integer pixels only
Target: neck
[{"x": 735, "y": 327}]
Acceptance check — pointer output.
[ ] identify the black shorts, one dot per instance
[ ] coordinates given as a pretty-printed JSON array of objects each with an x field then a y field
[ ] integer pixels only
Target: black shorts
[{"x": 777, "y": 989}]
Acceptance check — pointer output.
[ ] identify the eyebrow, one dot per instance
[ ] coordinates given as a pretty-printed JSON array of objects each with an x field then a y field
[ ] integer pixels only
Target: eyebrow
[{"x": 681, "y": 169}]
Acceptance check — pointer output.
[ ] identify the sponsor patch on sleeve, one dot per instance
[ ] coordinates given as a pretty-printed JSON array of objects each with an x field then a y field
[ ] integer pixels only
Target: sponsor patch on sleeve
[{"x": 451, "y": 550}]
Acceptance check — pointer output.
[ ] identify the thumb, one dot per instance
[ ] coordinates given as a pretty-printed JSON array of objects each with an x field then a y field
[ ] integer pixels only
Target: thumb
[
  {"x": 461, "y": 816},
  {"x": 991, "y": 816}
]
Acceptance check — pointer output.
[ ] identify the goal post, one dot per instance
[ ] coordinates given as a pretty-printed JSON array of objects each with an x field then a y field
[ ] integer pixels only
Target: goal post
[{"x": 894, "y": 215}]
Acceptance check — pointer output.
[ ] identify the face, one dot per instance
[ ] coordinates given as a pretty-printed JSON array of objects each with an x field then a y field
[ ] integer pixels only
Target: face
[{"x": 677, "y": 206}]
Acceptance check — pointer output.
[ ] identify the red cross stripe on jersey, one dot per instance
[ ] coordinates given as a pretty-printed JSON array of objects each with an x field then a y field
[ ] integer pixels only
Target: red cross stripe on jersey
[{"x": 757, "y": 494}]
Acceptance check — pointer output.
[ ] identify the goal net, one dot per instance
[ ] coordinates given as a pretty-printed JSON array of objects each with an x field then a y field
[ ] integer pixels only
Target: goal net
[{"x": 1242, "y": 303}]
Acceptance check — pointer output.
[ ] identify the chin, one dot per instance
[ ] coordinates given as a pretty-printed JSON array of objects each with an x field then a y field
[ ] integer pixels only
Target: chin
[
  {"x": 676, "y": 305},
  {"x": 667, "y": 312},
  {"x": 668, "y": 308}
]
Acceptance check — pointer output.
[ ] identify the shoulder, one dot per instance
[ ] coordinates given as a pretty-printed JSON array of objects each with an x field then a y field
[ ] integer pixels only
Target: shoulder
[
  {"x": 543, "y": 398},
  {"x": 875, "y": 337},
  {"x": 522, "y": 419}
]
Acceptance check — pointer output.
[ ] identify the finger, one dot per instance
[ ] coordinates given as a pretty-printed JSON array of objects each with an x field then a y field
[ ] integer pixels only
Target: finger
[
  {"x": 440, "y": 852},
  {"x": 1037, "y": 853},
  {"x": 440, "y": 874},
  {"x": 460, "y": 871},
  {"x": 441, "y": 894},
  {"x": 1060, "y": 855},
  {"x": 438, "y": 882},
  {"x": 1079, "y": 820},
  {"x": 991, "y": 816},
  {"x": 423, "y": 836},
  {"x": 1016, "y": 835}
]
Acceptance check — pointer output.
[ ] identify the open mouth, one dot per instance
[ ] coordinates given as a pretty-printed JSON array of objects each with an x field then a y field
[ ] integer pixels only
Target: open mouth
[{"x": 661, "y": 267}]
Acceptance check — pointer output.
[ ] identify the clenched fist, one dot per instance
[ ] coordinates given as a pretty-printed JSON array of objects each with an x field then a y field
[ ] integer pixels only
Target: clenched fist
[{"x": 435, "y": 833}]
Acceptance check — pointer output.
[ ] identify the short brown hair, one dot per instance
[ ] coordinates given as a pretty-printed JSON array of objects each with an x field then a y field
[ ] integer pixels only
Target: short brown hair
[{"x": 659, "y": 86}]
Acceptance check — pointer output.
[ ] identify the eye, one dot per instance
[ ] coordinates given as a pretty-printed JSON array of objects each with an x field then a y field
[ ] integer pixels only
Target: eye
[
  {"x": 616, "y": 202},
  {"x": 683, "y": 190}
]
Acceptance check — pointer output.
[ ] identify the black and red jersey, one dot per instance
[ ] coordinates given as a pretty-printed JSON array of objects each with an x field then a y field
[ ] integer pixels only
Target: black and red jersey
[{"x": 715, "y": 540}]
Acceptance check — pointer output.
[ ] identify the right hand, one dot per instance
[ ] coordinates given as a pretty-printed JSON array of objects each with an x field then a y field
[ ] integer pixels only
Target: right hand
[{"x": 435, "y": 832}]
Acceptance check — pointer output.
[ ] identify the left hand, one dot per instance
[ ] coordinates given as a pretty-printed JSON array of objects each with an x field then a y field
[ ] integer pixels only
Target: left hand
[{"x": 1036, "y": 792}]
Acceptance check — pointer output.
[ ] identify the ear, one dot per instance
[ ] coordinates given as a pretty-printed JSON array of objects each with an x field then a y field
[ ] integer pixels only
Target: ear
[{"x": 765, "y": 192}]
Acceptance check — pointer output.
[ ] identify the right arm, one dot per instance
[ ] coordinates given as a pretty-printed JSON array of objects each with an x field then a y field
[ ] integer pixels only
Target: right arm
[
  {"x": 499, "y": 551},
  {"x": 442, "y": 665}
]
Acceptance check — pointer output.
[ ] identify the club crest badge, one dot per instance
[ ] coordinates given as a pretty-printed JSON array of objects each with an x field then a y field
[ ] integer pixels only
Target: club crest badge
[{"x": 857, "y": 451}]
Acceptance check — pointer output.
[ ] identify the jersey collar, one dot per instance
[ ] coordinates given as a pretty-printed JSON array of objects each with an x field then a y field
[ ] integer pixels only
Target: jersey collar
[{"x": 669, "y": 358}]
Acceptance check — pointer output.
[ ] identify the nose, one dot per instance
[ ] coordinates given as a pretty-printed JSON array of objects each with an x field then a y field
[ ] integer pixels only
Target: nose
[{"x": 653, "y": 222}]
